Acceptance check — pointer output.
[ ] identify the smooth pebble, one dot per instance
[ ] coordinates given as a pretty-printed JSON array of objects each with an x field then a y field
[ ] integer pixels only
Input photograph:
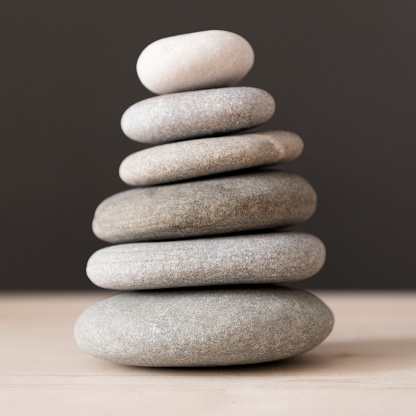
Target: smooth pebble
[
  {"x": 204, "y": 326},
  {"x": 253, "y": 258},
  {"x": 192, "y": 114},
  {"x": 200, "y": 157},
  {"x": 262, "y": 198},
  {"x": 195, "y": 61}
]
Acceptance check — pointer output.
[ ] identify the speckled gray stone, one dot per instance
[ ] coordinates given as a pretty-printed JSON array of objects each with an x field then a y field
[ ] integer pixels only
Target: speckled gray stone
[
  {"x": 264, "y": 198},
  {"x": 254, "y": 258},
  {"x": 195, "y": 61},
  {"x": 204, "y": 327},
  {"x": 200, "y": 157},
  {"x": 187, "y": 115}
]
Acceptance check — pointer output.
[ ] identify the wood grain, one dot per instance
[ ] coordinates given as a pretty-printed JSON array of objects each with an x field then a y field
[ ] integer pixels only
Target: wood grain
[{"x": 367, "y": 366}]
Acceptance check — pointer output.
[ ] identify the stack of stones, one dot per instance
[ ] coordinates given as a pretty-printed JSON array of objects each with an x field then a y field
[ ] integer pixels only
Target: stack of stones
[{"x": 197, "y": 248}]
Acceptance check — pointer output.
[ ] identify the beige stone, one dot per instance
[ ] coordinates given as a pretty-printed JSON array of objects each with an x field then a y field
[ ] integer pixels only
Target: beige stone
[
  {"x": 194, "y": 158},
  {"x": 262, "y": 198}
]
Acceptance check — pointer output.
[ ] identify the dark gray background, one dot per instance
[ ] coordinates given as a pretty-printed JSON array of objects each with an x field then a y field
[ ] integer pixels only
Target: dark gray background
[{"x": 343, "y": 77}]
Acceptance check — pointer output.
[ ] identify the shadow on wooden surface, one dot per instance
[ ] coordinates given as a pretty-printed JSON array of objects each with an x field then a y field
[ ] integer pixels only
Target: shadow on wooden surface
[{"x": 331, "y": 358}]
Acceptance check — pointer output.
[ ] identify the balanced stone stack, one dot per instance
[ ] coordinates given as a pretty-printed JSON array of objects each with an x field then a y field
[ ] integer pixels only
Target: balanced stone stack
[{"x": 197, "y": 248}]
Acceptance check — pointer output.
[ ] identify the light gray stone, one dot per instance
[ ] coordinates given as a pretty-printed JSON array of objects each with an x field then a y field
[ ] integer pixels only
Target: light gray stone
[
  {"x": 204, "y": 327},
  {"x": 195, "y": 61},
  {"x": 263, "y": 198},
  {"x": 254, "y": 258},
  {"x": 192, "y": 114},
  {"x": 194, "y": 158}
]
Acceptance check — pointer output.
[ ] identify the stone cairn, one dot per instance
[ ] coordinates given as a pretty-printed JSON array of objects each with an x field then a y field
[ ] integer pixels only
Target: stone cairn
[{"x": 197, "y": 249}]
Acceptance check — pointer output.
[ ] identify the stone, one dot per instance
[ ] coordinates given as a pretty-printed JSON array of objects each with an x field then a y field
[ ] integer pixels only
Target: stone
[
  {"x": 200, "y": 157},
  {"x": 204, "y": 326},
  {"x": 239, "y": 259},
  {"x": 193, "y": 114},
  {"x": 259, "y": 199},
  {"x": 195, "y": 61}
]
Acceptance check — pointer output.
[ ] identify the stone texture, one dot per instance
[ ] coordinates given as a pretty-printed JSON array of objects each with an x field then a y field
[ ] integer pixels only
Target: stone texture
[
  {"x": 257, "y": 258},
  {"x": 204, "y": 327},
  {"x": 263, "y": 198},
  {"x": 194, "y": 61},
  {"x": 194, "y": 114},
  {"x": 194, "y": 158}
]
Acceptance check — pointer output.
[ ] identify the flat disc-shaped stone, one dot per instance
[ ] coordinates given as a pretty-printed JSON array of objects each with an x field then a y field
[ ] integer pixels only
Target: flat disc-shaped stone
[
  {"x": 204, "y": 327},
  {"x": 253, "y": 258},
  {"x": 191, "y": 114},
  {"x": 194, "y": 158},
  {"x": 259, "y": 199}
]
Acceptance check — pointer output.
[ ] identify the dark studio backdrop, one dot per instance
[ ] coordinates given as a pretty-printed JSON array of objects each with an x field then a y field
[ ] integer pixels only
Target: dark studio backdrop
[{"x": 343, "y": 77}]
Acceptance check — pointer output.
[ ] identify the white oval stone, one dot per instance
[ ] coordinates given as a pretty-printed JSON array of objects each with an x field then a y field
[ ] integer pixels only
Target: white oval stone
[
  {"x": 194, "y": 158},
  {"x": 209, "y": 59}
]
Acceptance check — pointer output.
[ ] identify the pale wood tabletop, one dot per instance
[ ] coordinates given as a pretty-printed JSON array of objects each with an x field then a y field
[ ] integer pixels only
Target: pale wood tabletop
[{"x": 366, "y": 366}]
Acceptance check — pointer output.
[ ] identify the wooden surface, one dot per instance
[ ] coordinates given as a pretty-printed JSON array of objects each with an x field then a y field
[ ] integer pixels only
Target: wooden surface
[{"x": 367, "y": 366}]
